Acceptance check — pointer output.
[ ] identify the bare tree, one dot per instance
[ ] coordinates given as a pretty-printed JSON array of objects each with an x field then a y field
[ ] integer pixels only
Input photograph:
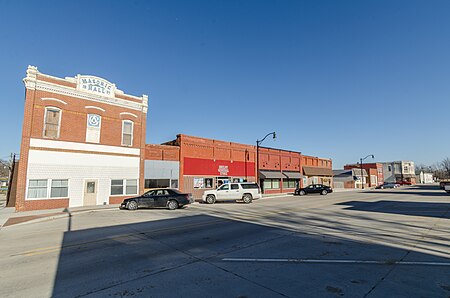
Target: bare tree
[
  {"x": 445, "y": 165},
  {"x": 4, "y": 168}
]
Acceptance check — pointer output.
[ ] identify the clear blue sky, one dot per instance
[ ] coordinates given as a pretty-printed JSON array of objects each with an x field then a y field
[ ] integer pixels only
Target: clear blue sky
[{"x": 339, "y": 79}]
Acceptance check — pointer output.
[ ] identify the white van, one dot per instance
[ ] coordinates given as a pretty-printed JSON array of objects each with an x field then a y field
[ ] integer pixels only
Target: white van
[{"x": 245, "y": 191}]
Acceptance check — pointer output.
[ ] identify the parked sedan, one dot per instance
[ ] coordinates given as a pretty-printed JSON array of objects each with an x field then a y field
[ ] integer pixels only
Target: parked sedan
[
  {"x": 313, "y": 188},
  {"x": 160, "y": 197},
  {"x": 388, "y": 185}
]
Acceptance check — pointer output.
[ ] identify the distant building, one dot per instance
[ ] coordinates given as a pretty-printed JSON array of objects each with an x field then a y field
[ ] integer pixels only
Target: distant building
[
  {"x": 399, "y": 171},
  {"x": 350, "y": 178},
  {"x": 374, "y": 170},
  {"x": 424, "y": 178}
]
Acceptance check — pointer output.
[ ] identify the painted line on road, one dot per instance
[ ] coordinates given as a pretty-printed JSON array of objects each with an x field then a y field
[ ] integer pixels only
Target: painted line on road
[{"x": 387, "y": 262}]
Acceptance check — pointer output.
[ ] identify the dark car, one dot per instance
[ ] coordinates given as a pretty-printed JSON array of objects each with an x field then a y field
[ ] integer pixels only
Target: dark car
[
  {"x": 388, "y": 185},
  {"x": 313, "y": 188},
  {"x": 161, "y": 197}
]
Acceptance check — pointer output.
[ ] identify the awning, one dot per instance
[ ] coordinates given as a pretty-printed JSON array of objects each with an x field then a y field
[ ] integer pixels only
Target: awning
[
  {"x": 343, "y": 179},
  {"x": 405, "y": 175},
  {"x": 270, "y": 175},
  {"x": 293, "y": 175},
  {"x": 313, "y": 171}
]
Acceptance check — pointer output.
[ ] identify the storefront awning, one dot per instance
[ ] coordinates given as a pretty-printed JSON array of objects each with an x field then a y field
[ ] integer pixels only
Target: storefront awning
[
  {"x": 313, "y": 171},
  {"x": 405, "y": 175},
  {"x": 270, "y": 175},
  {"x": 293, "y": 175}
]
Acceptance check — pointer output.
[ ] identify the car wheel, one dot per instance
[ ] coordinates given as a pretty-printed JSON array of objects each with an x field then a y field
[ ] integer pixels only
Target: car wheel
[
  {"x": 210, "y": 199},
  {"x": 247, "y": 199},
  {"x": 172, "y": 205},
  {"x": 302, "y": 193},
  {"x": 324, "y": 192},
  {"x": 132, "y": 205}
]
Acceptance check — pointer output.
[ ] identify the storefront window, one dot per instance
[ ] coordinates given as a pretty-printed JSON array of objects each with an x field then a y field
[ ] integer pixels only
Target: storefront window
[
  {"x": 157, "y": 183},
  {"x": 289, "y": 183},
  {"x": 203, "y": 182},
  {"x": 275, "y": 183},
  {"x": 271, "y": 183}
]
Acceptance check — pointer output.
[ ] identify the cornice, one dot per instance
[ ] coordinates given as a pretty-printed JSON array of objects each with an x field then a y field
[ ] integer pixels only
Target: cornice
[{"x": 31, "y": 82}]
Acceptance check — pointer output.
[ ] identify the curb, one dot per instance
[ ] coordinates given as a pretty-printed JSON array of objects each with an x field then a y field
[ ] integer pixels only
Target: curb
[{"x": 47, "y": 218}]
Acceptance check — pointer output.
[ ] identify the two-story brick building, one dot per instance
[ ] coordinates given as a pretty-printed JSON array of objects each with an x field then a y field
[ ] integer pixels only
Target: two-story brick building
[
  {"x": 374, "y": 170},
  {"x": 83, "y": 142}
]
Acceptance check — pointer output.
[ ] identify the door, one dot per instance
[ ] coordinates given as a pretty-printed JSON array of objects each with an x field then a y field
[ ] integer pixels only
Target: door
[
  {"x": 161, "y": 198},
  {"x": 235, "y": 193},
  {"x": 223, "y": 192},
  {"x": 90, "y": 192},
  {"x": 147, "y": 199}
]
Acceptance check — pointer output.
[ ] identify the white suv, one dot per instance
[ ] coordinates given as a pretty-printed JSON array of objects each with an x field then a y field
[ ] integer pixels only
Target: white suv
[{"x": 246, "y": 191}]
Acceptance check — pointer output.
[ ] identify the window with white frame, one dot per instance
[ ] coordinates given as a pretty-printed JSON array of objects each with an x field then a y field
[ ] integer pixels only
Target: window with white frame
[
  {"x": 124, "y": 187},
  {"x": 52, "y": 119},
  {"x": 37, "y": 188},
  {"x": 59, "y": 188},
  {"x": 93, "y": 128},
  {"x": 127, "y": 133},
  {"x": 47, "y": 188}
]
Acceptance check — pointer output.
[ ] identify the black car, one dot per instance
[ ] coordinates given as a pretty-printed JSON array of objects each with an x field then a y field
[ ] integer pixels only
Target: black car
[
  {"x": 162, "y": 197},
  {"x": 313, "y": 188}
]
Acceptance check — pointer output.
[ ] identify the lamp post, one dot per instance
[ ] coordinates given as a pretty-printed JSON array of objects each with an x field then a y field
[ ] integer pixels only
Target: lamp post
[
  {"x": 361, "y": 164},
  {"x": 258, "y": 143}
]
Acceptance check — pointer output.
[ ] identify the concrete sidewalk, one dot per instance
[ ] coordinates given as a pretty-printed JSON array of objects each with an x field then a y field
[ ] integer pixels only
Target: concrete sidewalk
[{"x": 8, "y": 216}]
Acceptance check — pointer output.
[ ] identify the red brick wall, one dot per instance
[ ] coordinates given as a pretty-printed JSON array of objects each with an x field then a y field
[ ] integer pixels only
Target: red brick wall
[
  {"x": 162, "y": 152},
  {"x": 378, "y": 167},
  {"x": 201, "y": 148},
  {"x": 44, "y": 204},
  {"x": 73, "y": 129}
]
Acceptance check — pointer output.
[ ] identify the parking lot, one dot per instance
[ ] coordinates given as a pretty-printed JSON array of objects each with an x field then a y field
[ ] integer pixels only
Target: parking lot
[{"x": 376, "y": 243}]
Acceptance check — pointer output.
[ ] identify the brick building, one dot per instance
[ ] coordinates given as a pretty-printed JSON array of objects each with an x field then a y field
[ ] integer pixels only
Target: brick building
[
  {"x": 279, "y": 170},
  {"x": 206, "y": 164},
  {"x": 83, "y": 143},
  {"x": 317, "y": 170},
  {"x": 374, "y": 170}
]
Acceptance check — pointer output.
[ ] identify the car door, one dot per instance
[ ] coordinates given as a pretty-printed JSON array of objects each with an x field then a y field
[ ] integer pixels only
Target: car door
[
  {"x": 235, "y": 192},
  {"x": 147, "y": 199},
  {"x": 161, "y": 198},
  {"x": 318, "y": 188},
  {"x": 223, "y": 192},
  {"x": 310, "y": 189}
]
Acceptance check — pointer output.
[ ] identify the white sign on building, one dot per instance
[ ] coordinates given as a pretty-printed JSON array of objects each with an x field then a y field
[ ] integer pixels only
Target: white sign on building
[{"x": 95, "y": 85}]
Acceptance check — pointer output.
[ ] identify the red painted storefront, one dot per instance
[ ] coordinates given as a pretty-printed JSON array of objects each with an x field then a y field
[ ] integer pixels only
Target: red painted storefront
[{"x": 206, "y": 163}]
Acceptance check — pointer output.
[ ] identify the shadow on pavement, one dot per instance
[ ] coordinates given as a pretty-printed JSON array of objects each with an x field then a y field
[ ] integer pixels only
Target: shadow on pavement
[
  {"x": 183, "y": 257},
  {"x": 439, "y": 210}
]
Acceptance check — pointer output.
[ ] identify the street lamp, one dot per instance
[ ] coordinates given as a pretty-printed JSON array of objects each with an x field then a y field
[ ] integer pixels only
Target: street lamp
[
  {"x": 361, "y": 164},
  {"x": 258, "y": 143}
]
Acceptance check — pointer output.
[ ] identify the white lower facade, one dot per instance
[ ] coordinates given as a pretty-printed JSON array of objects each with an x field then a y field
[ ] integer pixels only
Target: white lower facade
[{"x": 81, "y": 171}]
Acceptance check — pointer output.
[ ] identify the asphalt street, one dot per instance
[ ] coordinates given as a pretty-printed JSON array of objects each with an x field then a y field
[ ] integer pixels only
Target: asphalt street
[{"x": 379, "y": 243}]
